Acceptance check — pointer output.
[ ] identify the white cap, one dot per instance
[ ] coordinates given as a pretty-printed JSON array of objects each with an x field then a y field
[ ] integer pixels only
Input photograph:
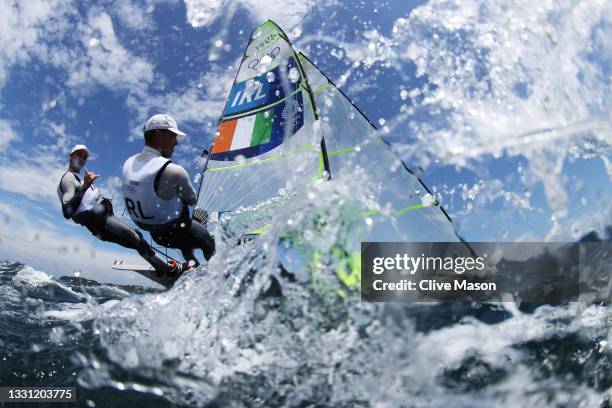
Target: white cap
[
  {"x": 163, "y": 121},
  {"x": 80, "y": 147}
]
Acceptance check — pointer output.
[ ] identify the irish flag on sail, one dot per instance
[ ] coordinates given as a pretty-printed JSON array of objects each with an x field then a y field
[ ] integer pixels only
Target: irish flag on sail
[{"x": 257, "y": 133}]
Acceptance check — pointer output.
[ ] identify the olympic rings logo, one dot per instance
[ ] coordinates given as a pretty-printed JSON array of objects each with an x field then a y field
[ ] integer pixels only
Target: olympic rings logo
[{"x": 272, "y": 54}]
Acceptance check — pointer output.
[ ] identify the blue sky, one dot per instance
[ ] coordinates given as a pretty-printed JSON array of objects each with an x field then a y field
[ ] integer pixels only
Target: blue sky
[{"x": 511, "y": 129}]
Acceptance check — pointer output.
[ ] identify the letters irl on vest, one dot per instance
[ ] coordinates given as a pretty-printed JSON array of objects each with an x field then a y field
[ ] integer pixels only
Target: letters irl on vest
[{"x": 131, "y": 207}]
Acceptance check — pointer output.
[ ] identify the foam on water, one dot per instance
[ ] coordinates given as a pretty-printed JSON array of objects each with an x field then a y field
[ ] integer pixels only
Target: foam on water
[
  {"x": 33, "y": 279},
  {"x": 219, "y": 336},
  {"x": 78, "y": 312}
]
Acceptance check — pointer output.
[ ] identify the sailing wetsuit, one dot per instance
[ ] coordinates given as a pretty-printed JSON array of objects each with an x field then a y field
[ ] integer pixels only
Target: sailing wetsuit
[
  {"x": 157, "y": 195},
  {"x": 88, "y": 208}
]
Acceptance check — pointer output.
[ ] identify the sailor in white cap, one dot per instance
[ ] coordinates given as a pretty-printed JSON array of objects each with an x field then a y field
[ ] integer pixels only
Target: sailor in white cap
[
  {"x": 158, "y": 192},
  {"x": 83, "y": 203},
  {"x": 75, "y": 196}
]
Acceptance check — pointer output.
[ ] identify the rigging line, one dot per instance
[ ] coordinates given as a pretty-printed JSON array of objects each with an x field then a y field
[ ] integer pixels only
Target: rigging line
[
  {"x": 217, "y": 181},
  {"x": 264, "y": 161},
  {"x": 238, "y": 177},
  {"x": 208, "y": 194},
  {"x": 244, "y": 197},
  {"x": 263, "y": 182},
  {"x": 203, "y": 198},
  {"x": 230, "y": 190},
  {"x": 212, "y": 195},
  {"x": 287, "y": 155},
  {"x": 202, "y": 173},
  {"x": 165, "y": 254},
  {"x": 227, "y": 188},
  {"x": 210, "y": 184},
  {"x": 204, "y": 183},
  {"x": 222, "y": 180}
]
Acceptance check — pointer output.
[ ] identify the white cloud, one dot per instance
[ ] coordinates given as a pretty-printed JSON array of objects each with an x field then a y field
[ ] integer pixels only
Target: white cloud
[
  {"x": 34, "y": 180},
  {"x": 36, "y": 175},
  {"x": 289, "y": 15},
  {"x": 51, "y": 30},
  {"x": 24, "y": 26},
  {"x": 203, "y": 12},
  {"x": 106, "y": 62},
  {"x": 6, "y": 133},
  {"x": 36, "y": 171},
  {"x": 187, "y": 106},
  {"x": 196, "y": 108},
  {"x": 90, "y": 52},
  {"x": 132, "y": 15},
  {"x": 39, "y": 29}
]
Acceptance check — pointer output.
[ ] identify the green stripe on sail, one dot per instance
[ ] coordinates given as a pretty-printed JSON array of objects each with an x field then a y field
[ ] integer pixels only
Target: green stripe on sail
[
  {"x": 320, "y": 167},
  {"x": 257, "y": 37},
  {"x": 417, "y": 207},
  {"x": 259, "y": 230},
  {"x": 262, "y": 130},
  {"x": 404, "y": 210},
  {"x": 321, "y": 88},
  {"x": 348, "y": 149},
  {"x": 263, "y": 161},
  {"x": 267, "y": 24}
]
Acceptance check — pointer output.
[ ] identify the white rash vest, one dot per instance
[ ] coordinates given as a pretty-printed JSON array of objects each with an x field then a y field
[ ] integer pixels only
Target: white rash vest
[
  {"x": 91, "y": 196},
  {"x": 141, "y": 200}
]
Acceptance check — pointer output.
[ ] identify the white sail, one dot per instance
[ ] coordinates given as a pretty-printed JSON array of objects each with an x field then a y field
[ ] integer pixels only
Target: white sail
[
  {"x": 270, "y": 136},
  {"x": 266, "y": 136}
]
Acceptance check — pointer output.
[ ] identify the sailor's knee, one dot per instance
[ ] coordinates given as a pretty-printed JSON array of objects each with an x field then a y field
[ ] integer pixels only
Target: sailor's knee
[{"x": 138, "y": 238}]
